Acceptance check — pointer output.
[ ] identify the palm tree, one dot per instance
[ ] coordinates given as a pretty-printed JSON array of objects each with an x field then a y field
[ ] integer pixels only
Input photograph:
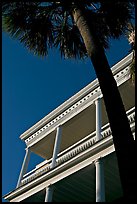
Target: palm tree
[
  {"x": 131, "y": 38},
  {"x": 79, "y": 29}
]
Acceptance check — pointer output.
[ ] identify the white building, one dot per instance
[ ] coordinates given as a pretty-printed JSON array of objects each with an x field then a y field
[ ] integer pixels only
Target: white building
[{"x": 76, "y": 143}]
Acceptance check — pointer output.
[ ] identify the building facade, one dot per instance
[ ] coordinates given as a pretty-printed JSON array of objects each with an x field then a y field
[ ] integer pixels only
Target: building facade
[{"x": 76, "y": 143}]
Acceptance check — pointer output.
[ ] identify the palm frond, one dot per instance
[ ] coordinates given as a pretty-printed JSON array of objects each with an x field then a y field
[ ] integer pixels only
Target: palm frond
[
  {"x": 43, "y": 25},
  {"x": 32, "y": 25},
  {"x": 98, "y": 26},
  {"x": 68, "y": 39},
  {"x": 117, "y": 15},
  {"x": 131, "y": 39},
  {"x": 132, "y": 70}
]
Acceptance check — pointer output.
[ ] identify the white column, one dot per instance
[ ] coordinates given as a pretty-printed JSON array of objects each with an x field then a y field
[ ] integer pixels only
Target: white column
[
  {"x": 56, "y": 146},
  {"x": 49, "y": 189},
  {"x": 24, "y": 166},
  {"x": 100, "y": 185},
  {"x": 98, "y": 119},
  {"x": 49, "y": 193}
]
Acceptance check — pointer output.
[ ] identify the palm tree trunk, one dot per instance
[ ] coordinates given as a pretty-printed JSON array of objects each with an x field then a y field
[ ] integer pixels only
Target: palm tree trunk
[{"x": 122, "y": 135}]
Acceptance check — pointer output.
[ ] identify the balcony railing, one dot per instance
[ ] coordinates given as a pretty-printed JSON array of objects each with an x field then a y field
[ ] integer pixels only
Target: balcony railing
[{"x": 76, "y": 149}]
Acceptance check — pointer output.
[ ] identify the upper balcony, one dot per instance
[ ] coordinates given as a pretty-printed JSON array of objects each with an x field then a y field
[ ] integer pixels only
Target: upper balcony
[{"x": 77, "y": 114}]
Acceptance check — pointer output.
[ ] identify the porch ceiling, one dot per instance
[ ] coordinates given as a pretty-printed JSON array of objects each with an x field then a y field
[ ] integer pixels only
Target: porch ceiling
[{"x": 72, "y": 131}]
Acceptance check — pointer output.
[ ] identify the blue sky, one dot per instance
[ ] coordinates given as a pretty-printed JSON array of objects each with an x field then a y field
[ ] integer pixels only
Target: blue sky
[{"x": 31, "y": 88}]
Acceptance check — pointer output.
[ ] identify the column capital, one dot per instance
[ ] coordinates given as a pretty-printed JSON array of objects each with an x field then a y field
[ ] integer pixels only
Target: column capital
[
  {"x": 50, "y": 187},
  {"x": 59, "y": 126},
  {"x": 97, "y": 160},
  {"x": 98, "y": 98},
  {"x": 27, "y": 149}
]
